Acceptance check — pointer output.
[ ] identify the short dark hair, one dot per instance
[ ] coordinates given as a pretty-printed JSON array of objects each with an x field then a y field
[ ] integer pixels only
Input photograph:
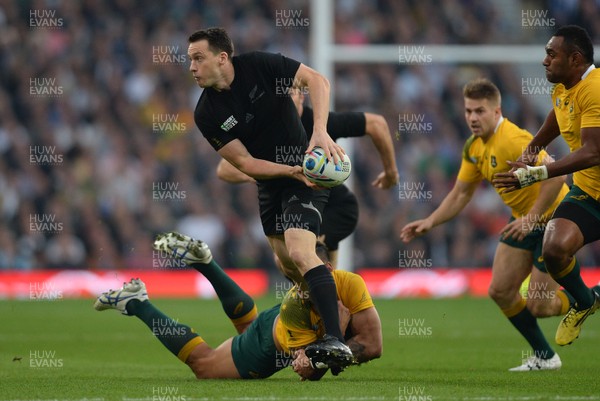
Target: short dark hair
[
  {"x": 482, "y": 88},
  {"x": 217, "y": 38},
  {"x": 322, "y": 252},
  {"x": 576, "y": 39}
]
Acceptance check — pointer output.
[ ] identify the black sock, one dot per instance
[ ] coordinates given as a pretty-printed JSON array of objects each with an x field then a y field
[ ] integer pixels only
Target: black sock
[{"x": 323, "y": 295}]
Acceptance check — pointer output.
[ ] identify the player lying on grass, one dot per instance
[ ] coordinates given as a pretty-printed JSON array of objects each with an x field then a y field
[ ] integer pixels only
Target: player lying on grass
[
  {"x": 340, "y": 214},
  {"x": 266, "y": 342}
]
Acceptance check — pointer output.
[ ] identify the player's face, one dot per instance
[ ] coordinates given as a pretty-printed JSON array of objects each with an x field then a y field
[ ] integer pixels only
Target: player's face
[
  {"x": 205, "y": 65},
  {"x": 482, "y": 116},
  {"x": 557, "y": 61}
]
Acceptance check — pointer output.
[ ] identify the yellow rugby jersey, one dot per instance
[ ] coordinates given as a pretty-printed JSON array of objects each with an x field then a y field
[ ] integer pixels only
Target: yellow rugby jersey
[
  {"x": 299, "y": 325},
  {"x": 577, "y": 108},
  {"x": 482, "y": 160}
]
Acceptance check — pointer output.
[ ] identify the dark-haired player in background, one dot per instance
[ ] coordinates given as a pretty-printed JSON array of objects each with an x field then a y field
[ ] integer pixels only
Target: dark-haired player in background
[
  {"x": 244, "y": 116},
  {"x": 341, "y": 212},
  {"x": 495, "y": 140},
  {"x": 576, "y": 116}
]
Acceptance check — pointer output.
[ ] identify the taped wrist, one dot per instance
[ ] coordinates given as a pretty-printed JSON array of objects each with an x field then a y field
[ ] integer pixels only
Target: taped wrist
[{"x": 530, "y": 175}]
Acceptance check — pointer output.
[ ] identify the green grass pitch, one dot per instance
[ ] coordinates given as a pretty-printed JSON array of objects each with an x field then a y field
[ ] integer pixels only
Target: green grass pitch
[{"x": 453, "y": 349}]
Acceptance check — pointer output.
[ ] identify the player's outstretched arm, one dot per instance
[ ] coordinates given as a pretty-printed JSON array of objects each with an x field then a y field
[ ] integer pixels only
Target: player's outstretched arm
[
  {"x": 377, "y": 128},
  {"x": 453, "y": 203},
  {"x": 520, "y": 176},
  {"x": 319, "y": 89},
  {"x": 230, "y": 174}
]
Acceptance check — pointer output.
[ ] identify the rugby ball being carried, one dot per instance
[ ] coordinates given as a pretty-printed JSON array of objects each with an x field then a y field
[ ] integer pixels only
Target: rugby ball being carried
[{"x": 324, "y": 173}]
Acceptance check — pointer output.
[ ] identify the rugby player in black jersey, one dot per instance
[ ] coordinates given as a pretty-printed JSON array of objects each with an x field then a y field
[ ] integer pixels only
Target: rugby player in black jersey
[
  {"x": 246, "y": 114},
  {"x": 341, "y": 212}
]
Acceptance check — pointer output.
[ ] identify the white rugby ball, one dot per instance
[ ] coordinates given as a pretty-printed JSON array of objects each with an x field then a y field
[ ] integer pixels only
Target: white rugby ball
[{"x": 324, "y": 173}]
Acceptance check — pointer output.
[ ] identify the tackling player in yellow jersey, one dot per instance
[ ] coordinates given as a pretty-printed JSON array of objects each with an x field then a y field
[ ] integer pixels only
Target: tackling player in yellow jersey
[
  {"x": 495, "y": 140},
  {"x": 266, "y": 342},
  {"x": 576, "y": 116}
]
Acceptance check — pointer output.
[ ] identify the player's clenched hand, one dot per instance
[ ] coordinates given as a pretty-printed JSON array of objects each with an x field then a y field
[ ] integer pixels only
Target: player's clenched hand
[
  {"x": 301, "y": 365},
  {"x": 386, "y": 180},
  {"x": 415, "y": 229},
  {"x": 520, "y": 176},
  {"x": 332, "y": 150}
]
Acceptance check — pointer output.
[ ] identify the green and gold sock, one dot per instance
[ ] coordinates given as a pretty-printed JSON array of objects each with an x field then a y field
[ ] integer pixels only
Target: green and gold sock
[
  {"x": 567, "y": 300},
  {"x": 570, "y": 279},
  {"x": 176, "y": 337},
  {"x": 238, "y": 305},
  {"x": 527, "y": 325}
]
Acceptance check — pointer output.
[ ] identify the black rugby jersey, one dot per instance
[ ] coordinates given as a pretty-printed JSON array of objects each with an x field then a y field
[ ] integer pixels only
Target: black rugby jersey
[{"x": 257, "y": 109}]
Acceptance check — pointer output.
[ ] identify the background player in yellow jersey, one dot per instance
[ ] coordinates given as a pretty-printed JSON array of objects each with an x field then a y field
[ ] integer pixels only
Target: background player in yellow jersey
[
  {"x": 495, "y": 140},
  {"x": 576, "y": 116},
  {"x": 266, "y": 342}
]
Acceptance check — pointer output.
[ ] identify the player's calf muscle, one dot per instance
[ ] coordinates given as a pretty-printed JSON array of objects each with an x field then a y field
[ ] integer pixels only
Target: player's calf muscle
[{"x": 543, "y": 307}]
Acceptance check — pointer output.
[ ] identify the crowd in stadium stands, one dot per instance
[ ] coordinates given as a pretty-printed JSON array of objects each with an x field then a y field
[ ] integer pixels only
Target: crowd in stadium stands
[{"x": 99, "y": 151}]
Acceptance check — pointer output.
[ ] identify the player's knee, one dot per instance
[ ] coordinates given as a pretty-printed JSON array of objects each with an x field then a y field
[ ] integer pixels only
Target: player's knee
[
  {"x": 298, "y": 256},
  {"x": 555, "y": 254},
  {"x": 498, "y": 294}
]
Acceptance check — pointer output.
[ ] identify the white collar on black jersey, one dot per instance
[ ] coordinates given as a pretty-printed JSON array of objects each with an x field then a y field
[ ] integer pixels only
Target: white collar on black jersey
[
  {"x": 587, "y": 72},
  {"x": 499, "y": 122}
]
